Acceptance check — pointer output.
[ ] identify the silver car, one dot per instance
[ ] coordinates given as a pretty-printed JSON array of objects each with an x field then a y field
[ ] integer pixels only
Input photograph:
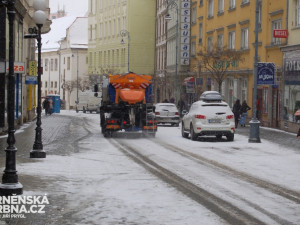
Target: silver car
[
  {"x": 208, "y": 118},
  {"x": 167, "y": 113}
]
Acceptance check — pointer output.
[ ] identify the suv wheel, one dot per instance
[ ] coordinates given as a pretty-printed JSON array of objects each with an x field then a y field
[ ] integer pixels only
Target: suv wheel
[
  {"x": 184, "y": 134},
  {"x": 194, "y": 136}
]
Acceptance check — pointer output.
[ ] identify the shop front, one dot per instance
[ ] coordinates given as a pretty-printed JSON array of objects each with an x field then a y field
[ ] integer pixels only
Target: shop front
[{"x": 291, "y": 99}]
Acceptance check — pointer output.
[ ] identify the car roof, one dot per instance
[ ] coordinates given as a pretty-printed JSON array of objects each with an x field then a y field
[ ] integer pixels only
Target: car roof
[
  {"x": 200, "y": 102},
  {"x": 167, "y": 104}
]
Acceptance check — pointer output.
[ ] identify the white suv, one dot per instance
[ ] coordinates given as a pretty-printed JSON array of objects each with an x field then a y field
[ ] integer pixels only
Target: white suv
[{"x": 209, "y": 118}]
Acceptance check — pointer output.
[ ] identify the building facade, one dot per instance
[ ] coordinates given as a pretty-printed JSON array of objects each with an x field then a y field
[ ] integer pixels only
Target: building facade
[
  {"x": 64, "y": 59},
  {"x": 24, "y": 52},
  {"x": 291, "y": 60},
  {"x": 231, "y": 25},
  {"x": 121, "y": 37}
]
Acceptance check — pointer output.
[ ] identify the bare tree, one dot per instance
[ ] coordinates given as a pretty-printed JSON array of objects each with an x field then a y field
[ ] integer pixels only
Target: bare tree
[
  {"x": 83, "y": 83},
  {"x": 218, "y": 61},
  {"x": 70, "y": 85}
]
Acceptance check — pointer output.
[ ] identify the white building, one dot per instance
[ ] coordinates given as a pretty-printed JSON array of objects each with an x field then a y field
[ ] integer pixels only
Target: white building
[{"x": 64, "y": 58}]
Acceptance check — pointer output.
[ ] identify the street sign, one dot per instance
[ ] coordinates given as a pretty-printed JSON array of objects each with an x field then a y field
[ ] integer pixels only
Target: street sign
[
  {"x": 32, "y": 68},
  {"x": 280, "y": 33},
  {"x": 31, "y": 80},
  {"x": 265, "y": 73}
]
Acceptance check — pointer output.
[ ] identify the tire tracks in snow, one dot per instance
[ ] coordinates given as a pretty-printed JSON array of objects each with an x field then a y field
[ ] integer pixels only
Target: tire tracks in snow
[{"x": 224, "y": 209}]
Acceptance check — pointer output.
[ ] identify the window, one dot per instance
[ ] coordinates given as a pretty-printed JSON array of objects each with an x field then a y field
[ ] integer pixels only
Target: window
[
  {"x": 209, "y": 44},
  {"x": 276, "y": 24},
  {"x": 193, "y": 48},
  {"x": 51, "y": 65},
  {"x": 201, "y": 3},
  {"x": 231, "y": 40},
  {"x": 46, "y": 84},
  {"x": 221, "y": 6},
  {"x": 46, "y": 64},
  {"x": 297, "y": 13},
  {"x": 244, "y": 36},
  {"x": 265, "y": 100},
  {"x": 194, "y": 14},
  {"x": 200, "y": 34},
  {"x": 220, "y": 42},
  {"x": 259, "y": 14},
  {"x": 51, "y": 84},
  {"x": 231, "y": 4},
  {"x": 244, "y": 90},
  {"x": 56, "y": 64},
  {"x": 68, "y": 63},
  {"x": 211, "y": 8},
  {"x": 55, "y": 84}
]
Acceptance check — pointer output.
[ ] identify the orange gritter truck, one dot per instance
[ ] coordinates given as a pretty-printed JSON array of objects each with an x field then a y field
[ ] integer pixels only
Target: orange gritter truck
[{"x": 126, "y": 105}]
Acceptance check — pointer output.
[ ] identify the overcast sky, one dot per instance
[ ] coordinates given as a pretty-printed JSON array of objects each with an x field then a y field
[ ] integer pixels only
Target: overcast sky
[{"x": 72, "y": 7}]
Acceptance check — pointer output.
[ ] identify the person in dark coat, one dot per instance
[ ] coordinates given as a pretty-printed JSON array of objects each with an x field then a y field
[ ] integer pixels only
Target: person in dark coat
[
  {"x": 298, "y": 135},
  {"x": 237, "y": 112},
  {"x": 181, "y": 105},
  {"x": 46, "y": 106},
  {"x": 244, "y": 109}
]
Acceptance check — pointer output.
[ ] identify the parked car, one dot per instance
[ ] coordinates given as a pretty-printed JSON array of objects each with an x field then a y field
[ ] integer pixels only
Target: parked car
[
  {"x": 209, "y": 118},
  {"x": 167, "y": 113}
]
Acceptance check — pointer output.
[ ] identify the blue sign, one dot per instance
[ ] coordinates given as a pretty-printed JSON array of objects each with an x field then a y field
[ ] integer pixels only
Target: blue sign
[
  {"x": 266, "y": 73},
  {"x": 31, "y": 80}
]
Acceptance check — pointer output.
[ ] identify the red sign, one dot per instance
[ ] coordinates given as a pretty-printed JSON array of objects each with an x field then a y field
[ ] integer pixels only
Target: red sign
[{"x": 280, "y": 33}]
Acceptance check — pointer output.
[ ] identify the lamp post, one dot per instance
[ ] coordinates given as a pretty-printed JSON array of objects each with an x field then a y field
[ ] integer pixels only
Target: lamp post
[
  {"x": 168, "y": 18},
  {"x": 123, "y": 34},
  {"x": 10, "y": 184},
  {"x": 254, "y": 123},
  {"x": 40, "y": 19}
]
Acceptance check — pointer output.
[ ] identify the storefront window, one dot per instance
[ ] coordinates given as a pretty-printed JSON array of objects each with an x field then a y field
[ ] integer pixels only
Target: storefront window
[{"x": 292, "y": 86}]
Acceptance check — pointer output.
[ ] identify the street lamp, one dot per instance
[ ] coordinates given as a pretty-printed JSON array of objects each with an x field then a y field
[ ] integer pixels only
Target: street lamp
[
  {"x": 40, "y": 19},
  {"x": 10, "y": 184},
  {"x": 168, "y": 18},
  {"x": 254, "y": 123},
  {"x": 123, "y": 34}
]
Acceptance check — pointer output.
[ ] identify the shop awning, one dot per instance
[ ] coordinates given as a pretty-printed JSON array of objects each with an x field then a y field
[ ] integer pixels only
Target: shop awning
[{"x": 297, "y": 113}]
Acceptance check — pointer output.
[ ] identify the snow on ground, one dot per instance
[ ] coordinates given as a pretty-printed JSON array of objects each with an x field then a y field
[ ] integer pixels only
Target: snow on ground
[{"x": 113, "y": 189}]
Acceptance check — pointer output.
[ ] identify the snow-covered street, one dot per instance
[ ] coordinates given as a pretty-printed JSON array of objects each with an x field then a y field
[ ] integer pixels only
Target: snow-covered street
[{"x": 163, "y": 180}]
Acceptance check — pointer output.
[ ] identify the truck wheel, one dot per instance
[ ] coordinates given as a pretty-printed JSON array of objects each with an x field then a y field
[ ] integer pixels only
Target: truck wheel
[{"x": 77, "y": 110}]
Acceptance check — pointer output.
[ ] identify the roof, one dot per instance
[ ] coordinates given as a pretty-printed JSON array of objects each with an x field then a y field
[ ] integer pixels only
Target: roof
[{"x": 50, "y": 41}]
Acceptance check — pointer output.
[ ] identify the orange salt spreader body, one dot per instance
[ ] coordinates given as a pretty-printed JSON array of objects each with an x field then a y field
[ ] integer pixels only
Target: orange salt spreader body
[{"x": 130, "y": 87}]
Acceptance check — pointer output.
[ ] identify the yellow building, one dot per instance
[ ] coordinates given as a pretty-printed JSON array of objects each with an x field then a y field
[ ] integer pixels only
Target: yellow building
[
  {"x": 231, "y": 24},
  {"x": 121, "y": 36}
]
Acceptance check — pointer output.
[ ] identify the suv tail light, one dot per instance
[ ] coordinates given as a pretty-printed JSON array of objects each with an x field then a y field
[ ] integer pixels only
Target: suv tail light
[
  {"x": 200, "y": 117},
  {"x": 177, "y": 114},
  {"x": 229, "y": 117}
]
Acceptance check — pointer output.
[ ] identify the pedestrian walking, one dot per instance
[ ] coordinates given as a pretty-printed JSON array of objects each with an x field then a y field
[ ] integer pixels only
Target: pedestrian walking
[
  {"x": 237, "y": 112},
  {"x": 46, "y": 106},
  {"x": 181, "y": 105},
  {"x": 244, "y": 109},
  {"x": 50, "y": 105},
  {"x": 298, "y": 135},
  {"x": 172, "y": 100}
]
